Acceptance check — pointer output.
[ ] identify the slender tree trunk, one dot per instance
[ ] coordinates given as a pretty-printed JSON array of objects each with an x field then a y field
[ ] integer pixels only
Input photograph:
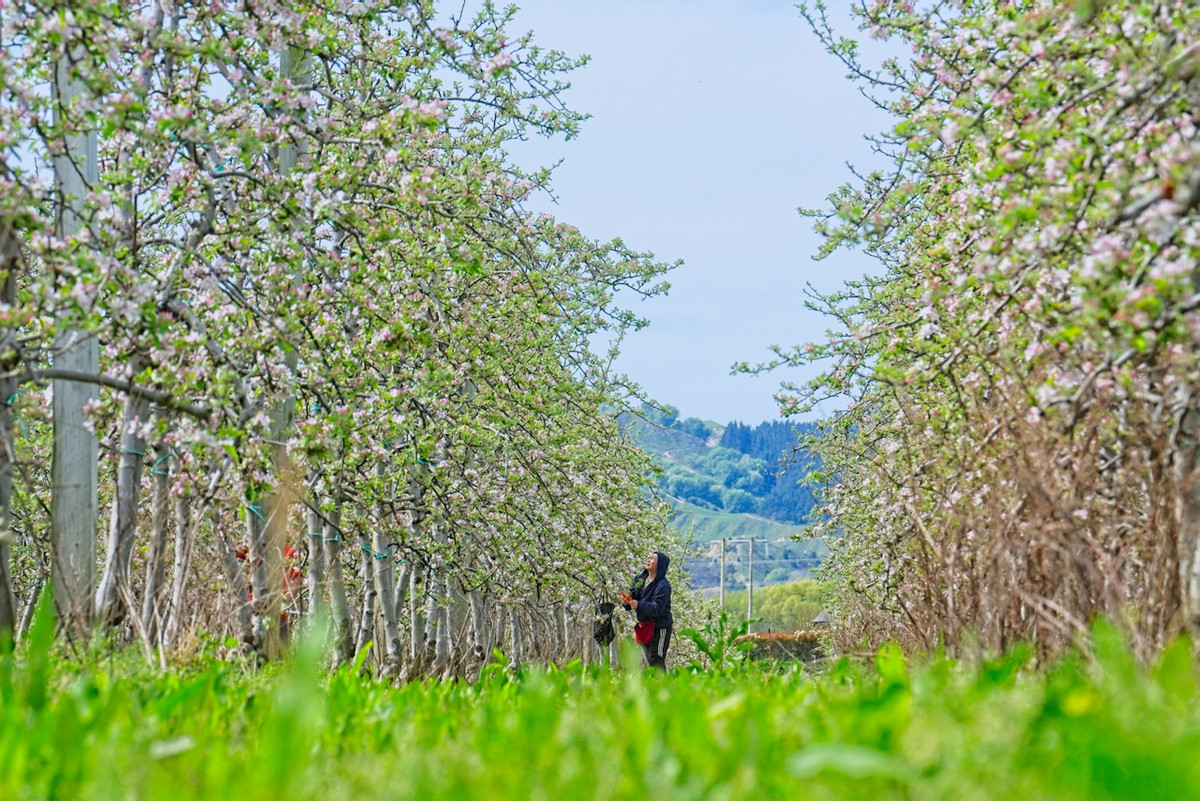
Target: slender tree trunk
[
  {"x": 417, "y": 567},
  {"x": 238, "y": 589},
  {"x": 479, "y": 638},
  {"x": 268, "y": 521},
  {"x": 30, "y": 607},
  {"x": 544, "y": 637},
  {"x": 317, "y": 606},
  {"x": 366, "y": 623},
  {"x": 432, "y": 607},
  {"x": 517, "y": 658},
  {"x": 416, "y": 610},
  {"x": 160, "y": 498},
  {"x": 8, "y": 602},
  {"x": 384, "y": 565},
  {"x": 442, "y": 643},
  {"x": 436, "y": 633},
  {"x": 74, "y": 504},
  {"x": 264, "y": 600},
  {"x": 118, "y": 561},
  {"x": 9, "y": 263},
  {"x": 401, "y": 598},
  {"x": 564, "y": 630},
  {"x": 1188, "y": 544},
  {"x": 502, "y": 630},
  {"x": 339, "y": 607},
  {"x": 185, "y": 538}
]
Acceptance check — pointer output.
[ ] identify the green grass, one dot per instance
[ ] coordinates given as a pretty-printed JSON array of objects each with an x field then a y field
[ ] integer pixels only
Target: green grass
[
  {"x": 999, "y": 730},
  {"x": 711, "y": 525}
]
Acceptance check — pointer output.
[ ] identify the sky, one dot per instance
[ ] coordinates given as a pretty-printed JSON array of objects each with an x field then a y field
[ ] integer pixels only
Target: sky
[{"x": 711, "y": 123}]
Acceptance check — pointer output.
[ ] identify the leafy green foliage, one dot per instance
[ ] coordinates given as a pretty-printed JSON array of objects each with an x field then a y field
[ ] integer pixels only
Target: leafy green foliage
[
  {"x": 718, "y": 639},
  {"x": 780, "y": 607},
  {"x": 1102, "y": 729},
  {"x": 734, "y": 468}
]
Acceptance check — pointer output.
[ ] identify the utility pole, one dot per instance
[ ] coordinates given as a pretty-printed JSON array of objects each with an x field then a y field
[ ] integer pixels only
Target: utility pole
[
  {"x": 750, "y": 590},
  {"x": 722, "y": 572},
  {"x": 750, "y": 586}
]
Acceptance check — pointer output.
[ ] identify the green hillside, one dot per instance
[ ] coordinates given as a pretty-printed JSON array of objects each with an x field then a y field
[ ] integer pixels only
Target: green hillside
[
  {"x": 733, "y": 481},
  {"x": 707, "y": 525},
  {"x": 729, "y": 468},
  {"x": 778, "y": 556}
]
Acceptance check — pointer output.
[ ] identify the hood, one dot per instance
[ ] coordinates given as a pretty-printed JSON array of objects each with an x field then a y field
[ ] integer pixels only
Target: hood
[{"x": 664, "y": 562}]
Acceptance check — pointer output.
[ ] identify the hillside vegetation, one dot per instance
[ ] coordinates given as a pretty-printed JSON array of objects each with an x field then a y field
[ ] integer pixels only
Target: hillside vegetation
[
  {"x": 735, "y": 482},
  {"x": 779, "y": 607},
  {"x": 708, "y": 525},
  {"x": 729, "y": 468}
]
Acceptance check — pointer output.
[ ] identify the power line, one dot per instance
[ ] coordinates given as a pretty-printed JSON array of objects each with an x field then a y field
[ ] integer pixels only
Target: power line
[{"x": 777, "y": 561}]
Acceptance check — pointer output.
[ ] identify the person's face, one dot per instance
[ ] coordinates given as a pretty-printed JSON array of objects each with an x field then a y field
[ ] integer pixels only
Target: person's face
[{"x": 652, "y": 563}]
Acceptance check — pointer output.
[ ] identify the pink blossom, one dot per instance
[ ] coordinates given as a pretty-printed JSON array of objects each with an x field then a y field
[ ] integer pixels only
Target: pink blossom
[{"x": 497, "y": 63}]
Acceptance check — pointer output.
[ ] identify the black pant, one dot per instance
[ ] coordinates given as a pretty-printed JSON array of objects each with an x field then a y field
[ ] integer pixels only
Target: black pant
[{"x": 656, "y": 650}]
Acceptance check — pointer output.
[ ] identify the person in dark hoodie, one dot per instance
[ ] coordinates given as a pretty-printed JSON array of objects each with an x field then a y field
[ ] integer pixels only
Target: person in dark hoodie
[{"x": 650, "y": 598}]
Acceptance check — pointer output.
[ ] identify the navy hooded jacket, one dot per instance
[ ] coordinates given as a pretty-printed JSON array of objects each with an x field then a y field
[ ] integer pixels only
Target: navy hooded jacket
[{"x": 654, "y": 599}]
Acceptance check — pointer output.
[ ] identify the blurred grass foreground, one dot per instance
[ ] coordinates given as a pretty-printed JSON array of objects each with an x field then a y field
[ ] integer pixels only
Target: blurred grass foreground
[{"x": 1088, "y": 727}]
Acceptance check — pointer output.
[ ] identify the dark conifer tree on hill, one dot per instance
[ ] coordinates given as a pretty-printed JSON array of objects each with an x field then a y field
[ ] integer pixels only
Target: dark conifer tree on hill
[
  {"x": 736, "y": 437},
  {"x": 772, "y": 442},
  {"x": 784, "y": 497}
]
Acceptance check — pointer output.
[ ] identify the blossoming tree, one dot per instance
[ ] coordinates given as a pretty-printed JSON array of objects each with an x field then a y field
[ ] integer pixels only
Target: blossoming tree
[
  {"x": 328, "y": 327},
  {"x": 1018, "y": 449}
]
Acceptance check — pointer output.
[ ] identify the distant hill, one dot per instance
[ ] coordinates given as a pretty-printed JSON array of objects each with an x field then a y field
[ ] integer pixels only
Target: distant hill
[
  {"x": 778, "y": 556},
  {"x": 708, "y": 526},
  {"x": 734, "y": 481}
]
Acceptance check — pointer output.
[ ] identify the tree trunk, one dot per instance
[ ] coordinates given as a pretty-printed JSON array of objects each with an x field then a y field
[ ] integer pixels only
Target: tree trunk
[
  {"x": 384, "y": 568},
  {"x": 431, "y": 616},
  {"x": 30, "y": 608},
  {"x": 401, "y": 597},
  {"x": 152, "y": 618},
  {"x": 268, "y": 523},
  {"x": 517, "y": 655},
  {"x": 317, "y": 607},
  {"x": 564, "y": 633},
  {"x": 264, "y": 597},
  {"x": 366, "y": 621},
  {"x": 115, "y": 592},
  {"x": 8, "y": 601},
  {"x": 1188, "y": 481},
  {"x": 235, "y": 576},
  {"x": 416, "y": 607},
  {"x": 500, "y": 631},
  {"x": 339, "y": 607},
  {"x": 275, "y": 507},
  {"x": 75, "y": 463},
  {"x": 442, "y": 643},
  {"x": 478, "y": 640},
  {"x": 185, "y": 538},
  {"x": 9, "y": 263}
]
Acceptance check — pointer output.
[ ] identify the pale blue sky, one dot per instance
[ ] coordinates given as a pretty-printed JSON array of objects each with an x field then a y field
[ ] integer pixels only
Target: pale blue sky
[{"x": 712, "y": 122}]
